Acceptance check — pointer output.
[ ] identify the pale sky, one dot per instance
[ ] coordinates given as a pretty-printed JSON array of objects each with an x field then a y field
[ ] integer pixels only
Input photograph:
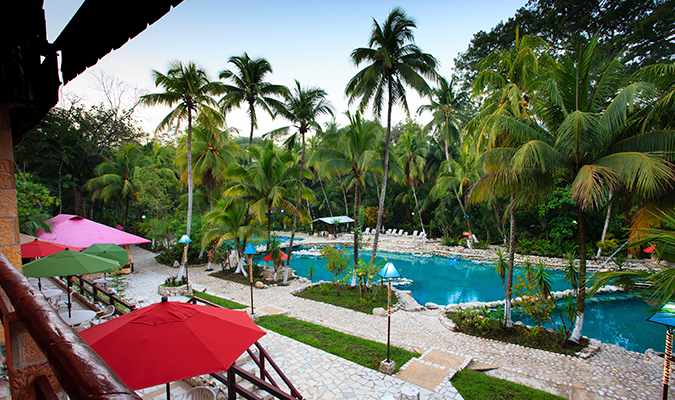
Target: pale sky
[{"x": 310, "y": 41}]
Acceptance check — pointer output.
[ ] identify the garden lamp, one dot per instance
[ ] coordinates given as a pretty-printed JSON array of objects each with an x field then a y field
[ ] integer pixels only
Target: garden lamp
[
  {"x": 250, "y": 252},
  {"x": 666, "y": 316},
  {"x": 389, "y": 271}
]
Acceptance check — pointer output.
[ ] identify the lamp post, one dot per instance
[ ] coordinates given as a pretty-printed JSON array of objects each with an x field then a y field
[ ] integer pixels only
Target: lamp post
[
  {"x": 249, "y": 252},
  {"x": 666, "y": 316},
  {"x": 185, "y": 239},
  {"x": 389, "y": 271}
]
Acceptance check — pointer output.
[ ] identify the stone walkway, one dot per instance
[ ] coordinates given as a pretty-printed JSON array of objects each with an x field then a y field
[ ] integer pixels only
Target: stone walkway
[{"x": 613, "y": 373}]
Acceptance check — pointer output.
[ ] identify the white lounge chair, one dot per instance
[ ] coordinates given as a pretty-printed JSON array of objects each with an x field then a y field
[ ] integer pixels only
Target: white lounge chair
[
  {"x": 422, "y": 235},
  {"x": 366, "y": 231},
  {"x": 400, "y": 232},
  {"x": 406, "y": 234},
  {"x": 388, "y": 232},
  {"x": 414, "y": 235}
]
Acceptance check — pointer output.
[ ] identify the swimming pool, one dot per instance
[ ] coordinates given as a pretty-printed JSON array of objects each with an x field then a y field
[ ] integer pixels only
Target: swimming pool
[{"x": 445, "y": 281}]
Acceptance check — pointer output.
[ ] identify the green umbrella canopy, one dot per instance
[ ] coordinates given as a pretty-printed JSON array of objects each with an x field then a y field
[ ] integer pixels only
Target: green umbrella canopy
[
  {"x": 68, "y": 262},
  {"x": 110, "y": 251}
]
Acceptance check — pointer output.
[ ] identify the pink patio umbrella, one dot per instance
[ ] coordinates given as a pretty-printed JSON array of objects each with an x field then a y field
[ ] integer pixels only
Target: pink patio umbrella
[{"x": 75, "y": 231}]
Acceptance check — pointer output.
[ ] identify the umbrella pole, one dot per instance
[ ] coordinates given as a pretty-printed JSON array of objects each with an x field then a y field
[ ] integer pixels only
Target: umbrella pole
[
  {"x": 168, "y": 391},
  {"x": 68, "y": 287},
  {"x": 39, "y": 284}
]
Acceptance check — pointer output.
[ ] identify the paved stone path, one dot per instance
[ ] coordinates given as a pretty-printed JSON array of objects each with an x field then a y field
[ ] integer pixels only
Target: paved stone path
[{"x": 613, "y": 373}]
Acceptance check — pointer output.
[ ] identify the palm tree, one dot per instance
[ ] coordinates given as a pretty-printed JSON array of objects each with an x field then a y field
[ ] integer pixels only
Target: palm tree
[
  {"x": 583, "y": 142},
  {"x": 117, "y": 178},
  {"x": 352, "y": 151},
  {"x": 213, "y": 152},
  {"x": 459, "y": 174},
  {"x": 249, "y": 87},
  {"x": 268, "y": 182},
  {"x": 411, "y": 151},
  {"x": 447, "y": 108},
  {"x": 230, "y": 221},
  {"x": 394, "y": 61},
  {"x": 189, "y": 89},
  {"x": 302, "y": 107}
]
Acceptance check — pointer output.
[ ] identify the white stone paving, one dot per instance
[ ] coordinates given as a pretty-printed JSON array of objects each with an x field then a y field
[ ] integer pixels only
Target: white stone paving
[{"x": 613, "y": 373}]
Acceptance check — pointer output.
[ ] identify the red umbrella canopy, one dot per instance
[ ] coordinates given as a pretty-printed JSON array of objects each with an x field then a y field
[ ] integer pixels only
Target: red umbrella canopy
[
  {"x": 43, "y": 248},
  {"x": 170, "y": 341},
  {"x": 283, "y": 255},
  {"x": 649, "y": 249}
]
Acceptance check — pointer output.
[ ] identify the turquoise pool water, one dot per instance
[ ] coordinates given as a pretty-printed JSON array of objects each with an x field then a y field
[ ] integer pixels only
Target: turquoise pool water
[{"x": 444, "y": 281}]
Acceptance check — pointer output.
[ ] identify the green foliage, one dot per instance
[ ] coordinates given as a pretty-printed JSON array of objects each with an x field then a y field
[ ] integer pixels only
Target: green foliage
[
  {"x": 173, "y": 281},
  {"x": 33, "y": 200},
  {"x": 337, "y": 260},
  {"x": 532, "y": 303},
  {"x": 474, "y": 385},
  {"x": 488, "y": 324},
  {"x": 167, "y": 255},
  {"x": 348, "y": 297},
  {"x": 220, "y": 301},
  {"x": 361, "y": 351},
  {"x": 449, "y": 241}
]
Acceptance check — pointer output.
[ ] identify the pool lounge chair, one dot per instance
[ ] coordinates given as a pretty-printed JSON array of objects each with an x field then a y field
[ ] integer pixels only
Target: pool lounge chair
[
  {"x": 414, "y": 235},
  {"x": 388, "y": 232},
  {"x": 366, "y": 231},
  {"x": 400, "y": 232}
]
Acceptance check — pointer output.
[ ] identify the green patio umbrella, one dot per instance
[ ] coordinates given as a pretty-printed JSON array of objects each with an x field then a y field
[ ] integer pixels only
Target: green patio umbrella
[
  {"x": 110, "y": 251},
  {"x": 66, "y": 263}
]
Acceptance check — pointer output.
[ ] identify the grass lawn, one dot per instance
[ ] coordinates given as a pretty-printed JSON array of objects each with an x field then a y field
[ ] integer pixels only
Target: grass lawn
[
  {"x": 361, "y": 351},
  {"x": 474, "y": 385},
  {"x": 349, "y": 297},
  {"x": 220, "y": 301}
]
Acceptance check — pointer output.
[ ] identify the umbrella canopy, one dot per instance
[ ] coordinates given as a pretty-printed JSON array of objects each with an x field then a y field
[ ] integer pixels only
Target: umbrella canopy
[
  {"x": 283, "y": 256},
  {"x": 80, "y": 232},
  {"x": 68, "y": 262},
  {"x": 170, "y": 341},
  {"x": 110, "y": 251},
  {"x": 649, "y": 249},
  {"x": 42, "y": 248}
]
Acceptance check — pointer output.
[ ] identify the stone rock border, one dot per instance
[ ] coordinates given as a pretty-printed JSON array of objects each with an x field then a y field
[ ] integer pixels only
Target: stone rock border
[{"x": 184, "y": 290}]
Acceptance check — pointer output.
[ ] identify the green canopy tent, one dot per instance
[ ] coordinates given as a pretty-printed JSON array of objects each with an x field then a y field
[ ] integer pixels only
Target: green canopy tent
[{"x": 67, "y": 263}]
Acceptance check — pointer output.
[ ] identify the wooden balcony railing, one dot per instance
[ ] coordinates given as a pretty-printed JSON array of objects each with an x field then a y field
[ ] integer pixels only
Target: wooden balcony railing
[{"x": 80, "y": 371}]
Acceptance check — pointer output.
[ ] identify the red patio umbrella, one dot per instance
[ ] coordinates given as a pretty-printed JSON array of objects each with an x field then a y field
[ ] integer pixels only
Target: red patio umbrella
[
  {"x": 170, "y": 341},
  {"x": 43, "y": 248},
  {"x": 283, "y": 257},
  {"x": 649, "y": 249}
]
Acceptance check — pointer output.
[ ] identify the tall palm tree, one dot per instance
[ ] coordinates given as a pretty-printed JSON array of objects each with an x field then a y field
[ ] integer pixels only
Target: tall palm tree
[
  {"x": 508, "y": 79},
  {"x": 187, "y": 87},
  {"x": 352, "y": 151},
  {"x": 117, "y": 178},
  {"x": 268, "y": 182},
  {"x": 250, "y": 88},
  {"x": 583, "y": 141},
  {"x": 213, "y": 151},
  {"x": 411, "y": 151},
  {"x": 447, "y": 108},
  {"x": 302, "y": 108},
  {"x": 394, "y": 61}
]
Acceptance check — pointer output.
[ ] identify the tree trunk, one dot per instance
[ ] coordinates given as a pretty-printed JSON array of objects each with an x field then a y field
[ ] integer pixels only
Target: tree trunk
[
  {"x": 509, "y": 280},
  {"x": 498, "y": 221},
  {"x": 461, "y": 205},
  {"x": 383, "y": 193},
  {"x": 581, "y": 296},
  {"x": 344, "y": 195},
  {"x": 417, "y": 206},
  {"x": 330, "y": 211},
  {"x": 604, "y": 229},
  {"x": 356, "y": 234},
  {"x": 251, "y": 110},
  {"x": 189, "y": 167},
  {"x": 297, "y": 202}
]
